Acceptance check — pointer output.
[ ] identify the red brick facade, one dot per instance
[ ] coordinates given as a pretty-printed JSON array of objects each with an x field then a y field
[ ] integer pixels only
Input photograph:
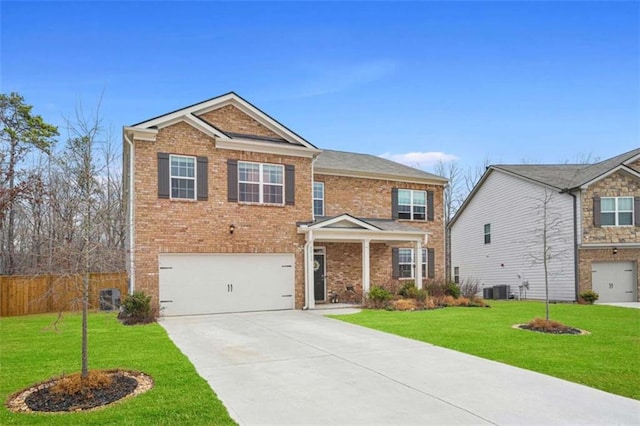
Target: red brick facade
[{"x": 179, "y": 226}]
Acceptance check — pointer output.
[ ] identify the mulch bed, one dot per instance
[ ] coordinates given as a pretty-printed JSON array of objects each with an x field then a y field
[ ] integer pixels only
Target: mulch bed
[
  {"x": 568, "y": 330},
  {"x": 40, "y": 398}
]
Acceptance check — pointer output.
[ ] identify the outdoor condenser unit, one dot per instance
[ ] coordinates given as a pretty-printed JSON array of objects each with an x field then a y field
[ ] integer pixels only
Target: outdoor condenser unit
[{"x": 109, "y": 299}]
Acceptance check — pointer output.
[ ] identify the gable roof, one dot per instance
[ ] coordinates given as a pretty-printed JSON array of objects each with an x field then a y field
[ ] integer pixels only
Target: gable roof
[
  {"x": 569, "y": 176},
  {"x": 562, "y": 177},
  {"x": 352, "y": 164},
  {"x": 192, "y": 113}
]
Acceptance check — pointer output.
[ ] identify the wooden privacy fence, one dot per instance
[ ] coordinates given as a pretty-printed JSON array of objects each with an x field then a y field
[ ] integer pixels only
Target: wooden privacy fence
[{"x": 25, "y": 295}]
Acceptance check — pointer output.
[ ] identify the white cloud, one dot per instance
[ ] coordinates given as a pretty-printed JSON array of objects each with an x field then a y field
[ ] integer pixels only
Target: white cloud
[{"x": 420, "y": 160}]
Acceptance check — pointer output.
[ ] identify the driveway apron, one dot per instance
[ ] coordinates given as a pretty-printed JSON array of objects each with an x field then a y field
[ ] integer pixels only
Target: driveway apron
[{"x": 297, "y": 367}]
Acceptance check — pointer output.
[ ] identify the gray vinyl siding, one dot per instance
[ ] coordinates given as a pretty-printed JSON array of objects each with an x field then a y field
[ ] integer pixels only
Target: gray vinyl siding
[{"x": 506, "y": 203}]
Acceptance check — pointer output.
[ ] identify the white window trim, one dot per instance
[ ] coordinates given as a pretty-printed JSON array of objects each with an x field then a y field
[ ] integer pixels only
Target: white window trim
[
  {"x": 317, "y": 199},
  {"x": 616, "y": 212},
  {"x": 194, "y": 178},
  {"x": 425, "y": 259},
  {"x": 485, "y": 233},
  {"x": 412, "y": 204},
  {"x": 261, "y": 183}
]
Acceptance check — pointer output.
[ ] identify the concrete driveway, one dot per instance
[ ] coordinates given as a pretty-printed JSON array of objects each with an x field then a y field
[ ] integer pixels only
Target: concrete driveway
[{"x": 295, "y": 368}]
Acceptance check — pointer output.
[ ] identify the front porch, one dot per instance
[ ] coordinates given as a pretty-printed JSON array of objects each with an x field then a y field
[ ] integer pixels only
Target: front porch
[{"x": 343, "y": 255}]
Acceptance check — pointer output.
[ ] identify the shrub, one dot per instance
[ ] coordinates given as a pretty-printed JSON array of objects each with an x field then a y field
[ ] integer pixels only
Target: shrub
[
  {"x": 470, "y": 287},
  {"x": 136, "y": 309},
  {"x": 589, "y": 296},
  {"x": 441, "y": 289},
  {"x": 378, "y": 297},
  {"x": 548, "y": 326},
  {"x": 409, "y": 291},
  {"x": 73, "y": 384},
  {"x": 405, "y": 305}
]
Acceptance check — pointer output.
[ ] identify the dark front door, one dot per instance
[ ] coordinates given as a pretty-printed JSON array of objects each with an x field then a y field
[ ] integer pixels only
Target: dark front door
[{"x": 318, "y": 276}]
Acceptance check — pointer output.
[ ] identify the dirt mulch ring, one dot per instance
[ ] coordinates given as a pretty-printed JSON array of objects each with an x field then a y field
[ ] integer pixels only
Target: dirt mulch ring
[
  {"x": 569, "y": 330},
  {"x": 39, "y": 397}
]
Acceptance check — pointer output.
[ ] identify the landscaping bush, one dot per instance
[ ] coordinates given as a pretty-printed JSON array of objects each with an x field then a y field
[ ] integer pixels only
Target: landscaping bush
[
  {"x": 441, "y": 289},
  {"x": 409, "y": 291},
  {"x": 405, "y": 305},
  {"x": 378, "y": 297},
  {"x": 470, "y": 287},
  {"x": 589, "y": 296},
  {"x": 137, "y": 309}
]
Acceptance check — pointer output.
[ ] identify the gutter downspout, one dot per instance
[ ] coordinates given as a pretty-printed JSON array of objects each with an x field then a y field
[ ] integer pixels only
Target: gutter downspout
[
  {"x": 132, "y": 266},
  {"x": 576, "y": 269}
]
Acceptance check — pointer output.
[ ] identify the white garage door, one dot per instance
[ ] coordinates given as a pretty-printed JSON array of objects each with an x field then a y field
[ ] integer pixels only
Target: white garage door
[
  {"x": 614, "y": 281},
  {"x": 192, "y": 284}
]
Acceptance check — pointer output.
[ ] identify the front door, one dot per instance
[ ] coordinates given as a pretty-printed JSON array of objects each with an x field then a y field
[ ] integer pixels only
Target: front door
[{"x": 318, "y": 276}]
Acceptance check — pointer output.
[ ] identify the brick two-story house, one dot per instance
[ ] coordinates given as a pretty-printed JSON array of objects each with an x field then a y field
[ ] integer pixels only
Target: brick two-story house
[
  {"x": 596, "y": 238},
  {"x": 230, "y": 211}
]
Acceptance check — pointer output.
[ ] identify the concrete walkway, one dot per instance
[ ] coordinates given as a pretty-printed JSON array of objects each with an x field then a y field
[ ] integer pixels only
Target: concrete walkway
[{"x": 300, "y": 368}]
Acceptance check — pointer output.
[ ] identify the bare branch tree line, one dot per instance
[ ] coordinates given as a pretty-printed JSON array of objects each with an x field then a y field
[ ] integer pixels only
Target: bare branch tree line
[{"x": 61, "y": 208}]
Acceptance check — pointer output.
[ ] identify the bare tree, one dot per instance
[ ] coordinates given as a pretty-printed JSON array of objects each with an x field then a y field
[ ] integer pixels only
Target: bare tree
[
  {"x": 453, "y": 198},
  {"x": 473, "y": 175},
  {"x": 547, "y": 245}
]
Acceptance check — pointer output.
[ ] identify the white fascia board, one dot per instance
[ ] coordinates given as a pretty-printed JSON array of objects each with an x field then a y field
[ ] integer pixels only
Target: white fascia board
[
  {"x": 267, "y": 147},
  {"x": 632, "y": 159},
  {"x": 141, "y": 134},
  {"x": 342, "y": 218},
  {"x": 609, "y": 173},
  {"x": 351, "y": 234},
  {"x": 378, "y": 176}
]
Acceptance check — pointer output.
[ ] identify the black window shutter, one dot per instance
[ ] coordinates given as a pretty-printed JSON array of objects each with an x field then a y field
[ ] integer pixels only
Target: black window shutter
[
  {"x": 596, "y": 211},
  {"x": 431, "y": 265},
  {"x": 164, "y": 179},
  {"x": 395, "y": 262},
  {"x": 203, "y": 184},
  {"x": 430, "y": 205},
  {"x": 232, "y": 180},
  {"x": 636, "y": 210},
  {"x": 289, "y": 184},
  {"x": 394, "y": 203}
]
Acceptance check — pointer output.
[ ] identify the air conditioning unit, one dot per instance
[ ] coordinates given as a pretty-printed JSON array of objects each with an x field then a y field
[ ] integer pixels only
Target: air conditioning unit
[
  {"x": 487, "y": 293},
  {"x": 109, "y": 299},
  {"x": 501, "y": 292}
]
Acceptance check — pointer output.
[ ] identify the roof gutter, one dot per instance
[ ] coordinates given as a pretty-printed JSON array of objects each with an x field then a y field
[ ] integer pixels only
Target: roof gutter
[
  {"x": 130, "y": 218},
  {"x": 576, "y": 264}
]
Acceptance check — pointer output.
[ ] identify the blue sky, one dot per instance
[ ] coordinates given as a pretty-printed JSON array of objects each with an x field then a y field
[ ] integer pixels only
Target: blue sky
[{"x": 507, "y": 81}]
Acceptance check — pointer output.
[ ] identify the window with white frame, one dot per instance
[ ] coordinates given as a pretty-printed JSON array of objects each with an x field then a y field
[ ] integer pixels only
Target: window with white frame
[
  {"x": 318, "y": 198},
  {"x": 487, "y": 233},
  {"x": 456, "y": 274},
  {"x": 183, "y": 177},
  {"x": 616, "y": 211},
  {"x": 260, "y": 183},
  {"x": 412, "y": 204},
  {"x": 407, "y": 264}
]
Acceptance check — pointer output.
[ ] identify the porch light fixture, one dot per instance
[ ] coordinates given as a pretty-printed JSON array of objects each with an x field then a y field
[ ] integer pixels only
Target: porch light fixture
[
  {"x": 615, "y": 250},
  {"x": 232, "y": 228}
]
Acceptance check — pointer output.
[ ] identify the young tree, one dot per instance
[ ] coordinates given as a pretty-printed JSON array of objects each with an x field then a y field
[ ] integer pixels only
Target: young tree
[
  {"x": 547, "y": 245},
  {"x": 20, "y": 132}
]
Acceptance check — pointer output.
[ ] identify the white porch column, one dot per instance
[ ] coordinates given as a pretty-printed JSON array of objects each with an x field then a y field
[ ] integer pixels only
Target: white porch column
[
  {"x": 308, "y": 269},
  {"x": 418, "y": 259},
  {"x": 366, "y": 266}
]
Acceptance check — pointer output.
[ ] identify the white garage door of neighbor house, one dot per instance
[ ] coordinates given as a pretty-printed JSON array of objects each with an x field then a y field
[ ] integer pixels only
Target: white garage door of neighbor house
[
  {"x": 614, "y": 281},
  {"x": 192, "y": 284}
]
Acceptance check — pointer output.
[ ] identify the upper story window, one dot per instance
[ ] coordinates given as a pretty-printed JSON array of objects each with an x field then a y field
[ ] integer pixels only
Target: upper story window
[
  {"x": 616, "y": 211},
  {"x": 260, "y": 183},
  {"x": 183, "y": 177},
  {"x": 487, "y": 233},
  {"x": 412, "y": 204},
  {"x": 318, "y": 198}
]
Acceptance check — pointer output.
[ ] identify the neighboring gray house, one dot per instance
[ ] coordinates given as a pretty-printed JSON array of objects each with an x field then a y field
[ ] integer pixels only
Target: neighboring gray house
[{"x": 493, "y": 232}]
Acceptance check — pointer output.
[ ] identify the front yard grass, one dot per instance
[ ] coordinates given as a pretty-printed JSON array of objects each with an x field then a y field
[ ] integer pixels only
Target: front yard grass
[
  {"x": 29, "y": 355},
  {"x": 607, "y": 359}
]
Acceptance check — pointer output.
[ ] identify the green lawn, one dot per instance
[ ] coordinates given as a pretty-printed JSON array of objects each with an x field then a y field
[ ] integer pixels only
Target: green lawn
[
  {"x": 607, "y": 359},
  {"x": 29, "y": 355}
]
